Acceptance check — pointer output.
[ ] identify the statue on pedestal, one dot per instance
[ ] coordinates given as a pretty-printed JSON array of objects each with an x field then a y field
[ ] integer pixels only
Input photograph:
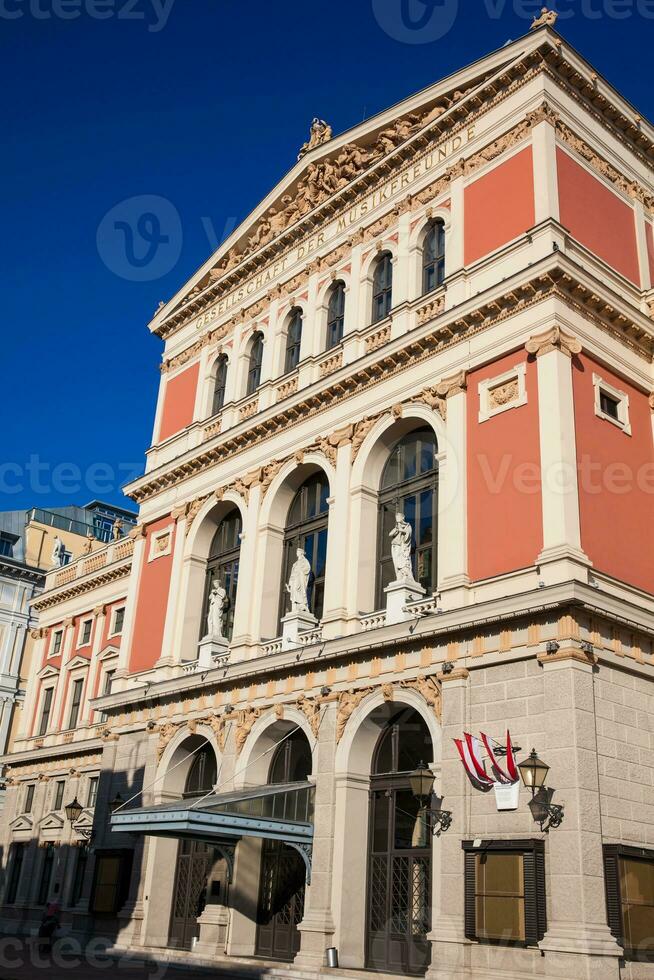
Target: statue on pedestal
[
  {"x": 298, "y": 584},
  {"x": 218, "y": 602},
  {"x": 58, "y": 552},
  {"x": 401, "y": 537}
]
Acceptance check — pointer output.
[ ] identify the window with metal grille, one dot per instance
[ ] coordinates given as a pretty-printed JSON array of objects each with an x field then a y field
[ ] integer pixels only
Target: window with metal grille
[
  {"x": 220, "y": 384},
  {"x": 629, "y": 887},
  {"x": 75, "y": 702},
  {"x": 46, "y": 708},
  {"x": 382, "y": 287},
  {"x": 254, "y": 364},
  {"x": 409, "y": 486},
  {"x": 306, "y": 528},
  {"x": 433, "y": 257},
  {"x": 293, "y": 340},
  {"x": 505, "y": 892},
  {"x": 335, "y": 315}
]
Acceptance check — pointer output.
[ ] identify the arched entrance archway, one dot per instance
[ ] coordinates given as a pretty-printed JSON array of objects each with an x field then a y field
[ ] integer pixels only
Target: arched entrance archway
[
  {"x": 399, "y": 851},
  {"x": 283, "y": 873},
  {"x": 195, "y": 859}
]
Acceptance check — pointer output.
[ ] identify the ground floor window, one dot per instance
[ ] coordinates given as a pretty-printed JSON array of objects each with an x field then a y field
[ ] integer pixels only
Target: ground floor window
[
  {"x": 629, "y": 882},
  {"x": 505, "y": 892},
  {"x": 80, "y": 871},
  {"x": 46, "y": 873},
  {"x": 15, "y": 868}
]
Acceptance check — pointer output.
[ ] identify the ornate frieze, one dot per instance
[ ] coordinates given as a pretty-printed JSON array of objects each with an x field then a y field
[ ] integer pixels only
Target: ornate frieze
[
  {"x": 245, "y": 720},
  {"x": 430, "y": 689}
]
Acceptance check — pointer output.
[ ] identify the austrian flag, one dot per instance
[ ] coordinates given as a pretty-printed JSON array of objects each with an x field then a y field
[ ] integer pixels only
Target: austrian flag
[{"x": 470, "y": 750}]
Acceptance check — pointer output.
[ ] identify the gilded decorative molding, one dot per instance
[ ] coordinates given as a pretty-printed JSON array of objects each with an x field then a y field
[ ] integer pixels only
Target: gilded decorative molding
[{"x": 553, "y": 339}]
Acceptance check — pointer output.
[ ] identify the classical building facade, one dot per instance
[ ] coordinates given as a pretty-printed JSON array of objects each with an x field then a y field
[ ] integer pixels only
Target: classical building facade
[{"x": 399, "y": 490}]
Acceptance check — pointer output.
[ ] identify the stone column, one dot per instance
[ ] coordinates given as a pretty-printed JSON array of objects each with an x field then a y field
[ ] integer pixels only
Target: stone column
[
  {"x": 453, "y": 578},
  {"x": 244, "y": 610},
  {"x": 578, "y": 942},
  {"x": 562, "y": 557},
  {"x": 169, "y": 656},
  {"x": 336, "y": 582},
  {"x": 450, "y": 953},
  {"x": 317, "y": 926}
]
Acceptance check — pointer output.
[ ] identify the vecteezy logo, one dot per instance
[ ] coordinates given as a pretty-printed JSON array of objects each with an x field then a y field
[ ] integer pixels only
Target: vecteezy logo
[
  {"x": 416, "y": 21},
  {"x": 140, "y": 239}
]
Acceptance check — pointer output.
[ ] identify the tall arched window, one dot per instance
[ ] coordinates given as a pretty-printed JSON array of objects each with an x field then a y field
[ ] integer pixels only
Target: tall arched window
[
  {"x": 292, "y": 760},
  {"x": 335, "y": 315},
  {"x": 433, "y": 257},
  {"x": 293, "y": 340},
  {"x": 254, "y": 364},
  {"x": 410, "y": 485},
  {"x": 306, "y": 528},
  {"x": 382, "y": 287},
  {"x": 203, "y": 773},
  {"x": 220, "y": 384},
  {"x": 222, "y": 566}
]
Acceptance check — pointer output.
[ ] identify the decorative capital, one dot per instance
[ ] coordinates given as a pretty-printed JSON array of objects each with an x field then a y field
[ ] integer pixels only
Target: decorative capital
[
  {"x": 554, "y": 339},
  {"x": 457, "y": 674},
  {"x": 137, "y": 532},
  {"x": 67, "y": 623},
  {"x": 456, "y": 384},
  {"x": 98, "y": 611}
]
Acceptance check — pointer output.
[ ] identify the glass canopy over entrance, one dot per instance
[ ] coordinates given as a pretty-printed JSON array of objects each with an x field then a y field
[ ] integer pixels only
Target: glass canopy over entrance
[{"x": 282, "y": 812}]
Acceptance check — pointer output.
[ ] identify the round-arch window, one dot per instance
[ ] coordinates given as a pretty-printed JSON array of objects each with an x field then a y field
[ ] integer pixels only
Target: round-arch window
[
  {"x": 433, "y": 257},
  {"x": 254, "y": 363},
  {"x": 202, "y": 774},
  {"x": 404, "y": 743},
  {"x": 293, "y": 340},
  {"x": 306, "y": 528},
  {"x": 382, "y": 287},
  {"x": 335, "y": 315},
  {"x": 222, "y": 566},
  {"x": 220, "y": 384},
  {"x": 410, "y": 485},
  {"x": 292, "y": 760}
]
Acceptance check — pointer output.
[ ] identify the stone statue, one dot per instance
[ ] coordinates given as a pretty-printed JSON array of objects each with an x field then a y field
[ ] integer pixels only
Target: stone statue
[
  {"x": 116, "y": 529},
  {"x": 298, "y": 584},
  {"x": 218, "y": 601},
  {"x": 547, "y": 18},
  {"x": 58, "y": 552},
  {"x": 320, "y": 132},
  {"x": 401, "y": 537},
  {"x": 87, "y": 547}
]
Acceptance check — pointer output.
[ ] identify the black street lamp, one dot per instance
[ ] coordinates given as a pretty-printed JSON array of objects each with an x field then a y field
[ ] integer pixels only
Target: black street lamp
[
  {"x": 73, "y": 811},
  {"x": 116, "y": 803},
  {"x": 533, "y": 772},
  {"x": 421, "y": 782}
]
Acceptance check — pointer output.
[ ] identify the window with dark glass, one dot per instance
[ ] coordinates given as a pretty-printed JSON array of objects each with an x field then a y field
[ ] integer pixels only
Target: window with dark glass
[
  {"x": 75, "y": 702},
  {"x": 629, "y": 886},
  {"x": 80, "y": 870},
  {"x": 57, "y": 640},
  {"x": 293, "y": 340},
  {"x": 433, "y": 257},
  {"x": 16, "y": 867},
  {"x": 85, "y": 634},
  {"x": 254, "y": 364},
  {"x": 45, "y": 710},
  {"x": 92, "y": 794},
  {"x": 292, "y": 760},
  {"x": 60, "y": 786},
  {"x": 609, "y": 406},
  {"x": 222, "y": 566},
  {"x": 505, "y": 892},
  {"x": 106, "y": 689},
  {"x": 47, "y": 867},
  {"x": 306, "y": 528},
  {"x": 203, "y": 773},
  {"x": 335, "y": 315},
  {"x": 220, "y": 384},
  {"x": 382, "y": 287},
  {"x": 119, "y": 619},
  {"x": 7, "y": 545},
  {"x": 29, "y": 798},
  {"x": 409, "y": 486}
]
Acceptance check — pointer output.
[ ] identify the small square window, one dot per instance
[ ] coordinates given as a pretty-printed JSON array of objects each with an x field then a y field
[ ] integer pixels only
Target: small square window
[{"x": 611, "y": 404}]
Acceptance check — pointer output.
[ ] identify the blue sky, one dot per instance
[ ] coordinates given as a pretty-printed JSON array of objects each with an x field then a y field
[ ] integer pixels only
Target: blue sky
[{"x": 204, "y": 104}]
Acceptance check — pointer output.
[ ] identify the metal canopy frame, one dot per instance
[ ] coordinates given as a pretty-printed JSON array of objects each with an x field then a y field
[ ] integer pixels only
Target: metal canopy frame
[{"x": 282, "y": 812}]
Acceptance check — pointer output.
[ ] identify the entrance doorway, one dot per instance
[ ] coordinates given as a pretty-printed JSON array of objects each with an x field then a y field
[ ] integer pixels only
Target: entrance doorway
[
  {"x": 283, "y": 873},
  {"x": 399, "y": 857},
  {"x": 195, "y": 860}
]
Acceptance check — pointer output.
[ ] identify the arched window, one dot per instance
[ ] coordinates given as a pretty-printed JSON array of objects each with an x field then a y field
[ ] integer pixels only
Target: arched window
[
  {"x": 222, "y": 566},
  {"x": 219, "y": 384},
  {"x": 335, "y": 315},
  {"x": 292, "y": 760},
  {"x": 382, "y": 287},
  {"x": 202, "y": 774},
  {"x": 404, "y": 743},
  {"x": 433, "y": 257},
  {"x": 410, "y": 485},
  {"x": 306, "y": 528},
  {"x": 254, "y": 365},
  {"x": 293, "y": 340}
]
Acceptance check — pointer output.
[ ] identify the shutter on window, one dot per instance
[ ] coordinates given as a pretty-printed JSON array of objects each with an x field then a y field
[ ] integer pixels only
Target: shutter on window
[
  {"x": 470, "y": 879},
  {"x": 612, "y": 889},
  {"x": 531, "y": 904},
  {"x": 541, "y": 902}
]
